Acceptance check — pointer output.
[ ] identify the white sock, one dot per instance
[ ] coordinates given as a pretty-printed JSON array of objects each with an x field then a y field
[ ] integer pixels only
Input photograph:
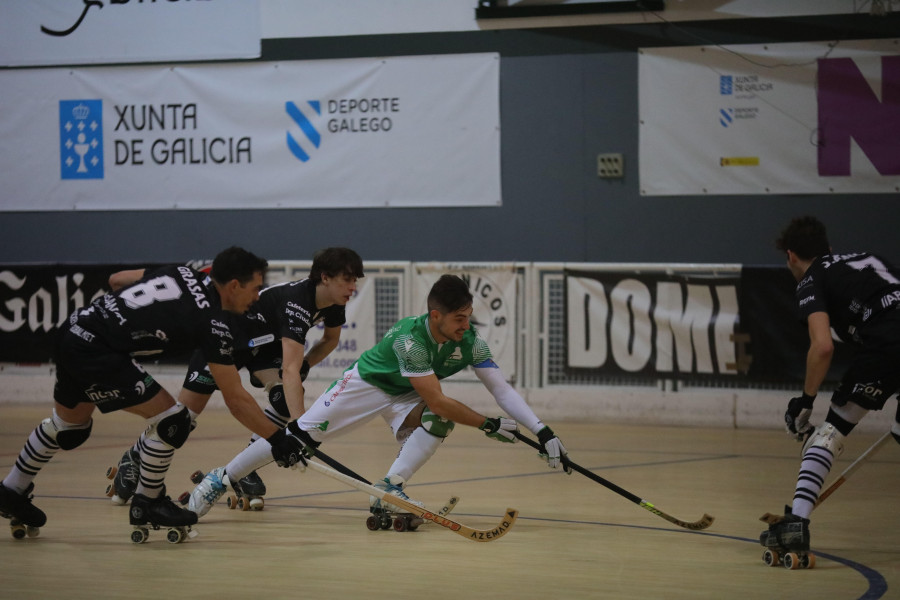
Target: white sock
[
  {"x": 415, "y": 452},
  {"x": 256, "y": 455},
  {"x": 814, "y": 469}
]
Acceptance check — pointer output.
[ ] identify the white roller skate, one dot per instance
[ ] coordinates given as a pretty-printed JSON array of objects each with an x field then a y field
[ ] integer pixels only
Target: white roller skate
[
  {"x": 385, "y": 515},
  {"x": 208, "y": 491}
]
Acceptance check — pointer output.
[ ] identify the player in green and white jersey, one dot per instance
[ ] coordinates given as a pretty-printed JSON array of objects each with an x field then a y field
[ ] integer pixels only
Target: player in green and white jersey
[{"x": 399, "y": 379}]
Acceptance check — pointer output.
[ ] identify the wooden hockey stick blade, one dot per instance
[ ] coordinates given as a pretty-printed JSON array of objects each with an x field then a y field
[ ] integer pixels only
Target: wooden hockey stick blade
[
  {"x": 854, "y": 466},
  {"x": 478, "y": 535},
  {"x": 703, "y": 523}
]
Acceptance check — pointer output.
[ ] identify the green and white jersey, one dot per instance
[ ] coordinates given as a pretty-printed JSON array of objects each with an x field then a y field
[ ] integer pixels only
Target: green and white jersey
[{"x": 409, "y": 350}]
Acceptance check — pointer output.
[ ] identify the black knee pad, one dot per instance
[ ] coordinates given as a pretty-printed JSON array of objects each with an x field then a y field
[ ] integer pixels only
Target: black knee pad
[
  {"x": 276, "y": 399},
  {"x": 175, "y": 429},
  {"x": 72, "y": 438}
]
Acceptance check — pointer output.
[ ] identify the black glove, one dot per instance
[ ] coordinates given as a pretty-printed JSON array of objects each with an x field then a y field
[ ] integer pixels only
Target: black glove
[
  {"x": 500, "y": 428},
  {"x": 304, "y": 370},
  {"x": 553, "y": 450},
  {"x": 287, "y": 450},
  {"x": 796, "y": 417}
]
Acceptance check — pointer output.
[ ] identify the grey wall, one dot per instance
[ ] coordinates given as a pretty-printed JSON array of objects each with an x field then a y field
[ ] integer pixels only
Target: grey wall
[{"x": 566, "y": 95}]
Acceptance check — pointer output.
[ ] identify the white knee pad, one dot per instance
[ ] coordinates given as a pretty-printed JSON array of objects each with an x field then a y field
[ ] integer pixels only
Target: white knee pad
[{"x": 828, "y": 437}]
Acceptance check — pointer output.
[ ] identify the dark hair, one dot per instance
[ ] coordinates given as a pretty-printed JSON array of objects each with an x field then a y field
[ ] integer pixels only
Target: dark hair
[
  {"x": 449, "y": 294},
  {"x": 334, "y": 262},
  {"x": 806, "y": 237},
  {"x": 236, "y": 263}
]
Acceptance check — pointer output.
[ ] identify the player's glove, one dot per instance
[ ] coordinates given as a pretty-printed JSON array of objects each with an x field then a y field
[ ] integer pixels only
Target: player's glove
[
  {"x": 796, "y": 417},
  {"x": 287, "y": 450},
  {"x": 304, "y": 370},
  {"x": 500, "y": 428},
  {"x": 553, "y": 450}
]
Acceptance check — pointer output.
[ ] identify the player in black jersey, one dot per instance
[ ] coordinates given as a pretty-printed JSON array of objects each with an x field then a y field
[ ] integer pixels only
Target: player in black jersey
[
  {"x": 856, "y": 295},
  {"x": 170, "y": 311},
  {"x": 270, "y": 342}
]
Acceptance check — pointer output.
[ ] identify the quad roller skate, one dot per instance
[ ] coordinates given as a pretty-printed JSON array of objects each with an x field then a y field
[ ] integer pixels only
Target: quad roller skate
[
  {"x": 384, "y": 515},
  {"x": 25, "y": 519},
  {"x": 787, "y": 541},
  {"x": 209, "y": 488},
  {"x": 248, "y": 493},
  {"x": 125, "y": 477},
  {"x": 154, "y": 513}
]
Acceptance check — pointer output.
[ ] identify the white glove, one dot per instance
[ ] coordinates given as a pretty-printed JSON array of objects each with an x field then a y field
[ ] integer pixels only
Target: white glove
[
  {"x": 554, "y": 451},
  {"x": 500, "y": 429}
]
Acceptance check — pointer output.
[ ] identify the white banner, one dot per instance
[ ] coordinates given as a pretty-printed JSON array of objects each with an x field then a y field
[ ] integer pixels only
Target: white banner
[
  {"x": 72, "y": 32},
  {"x": 780, "y": 119},
  {"x": 494, "y": 307},
  {"x": 407, "y": 131},
  {"x": 357, "y": 335}
]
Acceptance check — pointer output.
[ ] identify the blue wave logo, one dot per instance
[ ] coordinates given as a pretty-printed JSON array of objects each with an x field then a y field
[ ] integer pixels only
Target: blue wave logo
[
  {"x": 81, "y": 139},
  {"x": 309, "y": 131},
  {"x": 725, "y": 117}
]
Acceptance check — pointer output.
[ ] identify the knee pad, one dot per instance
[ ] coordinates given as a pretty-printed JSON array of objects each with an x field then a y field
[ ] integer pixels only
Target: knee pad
[
  {"x": 175, "y": 427},
  {"x": 66, "y": 435},
  {"x": 435, "y": 425},
  {"x": 276, "y": 399},
  {"x": 828, "y": 437}
]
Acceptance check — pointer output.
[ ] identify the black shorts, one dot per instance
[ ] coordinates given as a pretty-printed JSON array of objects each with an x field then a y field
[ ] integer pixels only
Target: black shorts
[
  {"x": 873, "y": 377},
  {"x": 198, "y": 378},
  {"x": 87, "y": 371}
]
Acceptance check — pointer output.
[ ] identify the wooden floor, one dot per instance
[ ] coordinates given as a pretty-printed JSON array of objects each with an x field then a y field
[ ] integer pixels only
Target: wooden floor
[{"x": 574, "y": 538}]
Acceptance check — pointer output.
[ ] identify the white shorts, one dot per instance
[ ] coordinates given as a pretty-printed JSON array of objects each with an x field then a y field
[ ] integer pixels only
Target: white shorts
[{"x": 350, "y": 403}]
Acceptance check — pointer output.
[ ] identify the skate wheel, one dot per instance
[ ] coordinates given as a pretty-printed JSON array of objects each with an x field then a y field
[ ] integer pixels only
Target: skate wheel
[
  {"x": 808, "y": 561},
  {"x": 184, "y": 498},
  {"x": 243, "y": 504},
  {"x": 111, "y": 472},
  {"x": 791, "y": 561},
  {"x": 139, "y": 535},
  {"x": 197, "y": 477},
  {"x": 110, "y": 491},
  {"x": 257, "y": 503},
  {"x": 770, "y": 557},
  {"x": 400, "y": 524},
  {"x": 18, "y": 531},
  {"x": 372, "y": 523},
  {"x": 32, "y": 532},
  {"x": 232, "y": 502},
  {"x": 175, "y": 535},
  {"x": 386, "y": 522}
]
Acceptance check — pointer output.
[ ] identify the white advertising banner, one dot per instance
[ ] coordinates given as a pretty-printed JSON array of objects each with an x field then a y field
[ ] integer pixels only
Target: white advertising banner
[
  {"x": 357, "y": 335},
  {"x": 494, "y": 307},
  {"x": 781, "y": 119},
  {"x": 404, "y": 131},
  {"x": 73, "y": 32}
]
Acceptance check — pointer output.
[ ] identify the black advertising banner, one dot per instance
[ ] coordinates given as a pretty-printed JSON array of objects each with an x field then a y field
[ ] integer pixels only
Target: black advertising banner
[
  {"x": 733, "y": 326},
  {"x": 36, "y": 299}
]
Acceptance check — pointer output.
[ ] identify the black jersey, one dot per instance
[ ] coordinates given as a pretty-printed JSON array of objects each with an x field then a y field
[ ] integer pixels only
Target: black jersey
[
  {"x": 170, "y": 311},
  {"x": 854, "y": 289},
  {"x": 288, "y": 310}
]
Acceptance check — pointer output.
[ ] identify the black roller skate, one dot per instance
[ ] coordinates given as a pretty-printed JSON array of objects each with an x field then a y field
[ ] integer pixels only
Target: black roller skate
[
  {"x": 787, "y": 541},
  {"x": 125, "y": 477},
  {"x": 153, "y": 513},
  {"x": 384, "y": 515},
  {"x": 248, "y": 493},
  {"x": 25, "y": 519}
]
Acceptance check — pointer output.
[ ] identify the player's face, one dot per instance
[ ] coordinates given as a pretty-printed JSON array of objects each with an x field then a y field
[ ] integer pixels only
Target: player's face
[
  {"x": 452, "y": 326},
  {"x": 245, "y": 294},
  {"x": 340, "y": 288}
]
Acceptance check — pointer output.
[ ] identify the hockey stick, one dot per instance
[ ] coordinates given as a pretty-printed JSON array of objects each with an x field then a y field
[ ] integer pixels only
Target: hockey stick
[
  {"x": 703, "y": 523},
  {"x": 854, "y": 466},
  {"x": 478, "y": 535},
  {"x": 446, "y": 509}
]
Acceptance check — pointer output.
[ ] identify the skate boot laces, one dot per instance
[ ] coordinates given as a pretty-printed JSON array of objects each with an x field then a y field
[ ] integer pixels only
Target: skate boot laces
[{"x": 208, "y": 491}]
